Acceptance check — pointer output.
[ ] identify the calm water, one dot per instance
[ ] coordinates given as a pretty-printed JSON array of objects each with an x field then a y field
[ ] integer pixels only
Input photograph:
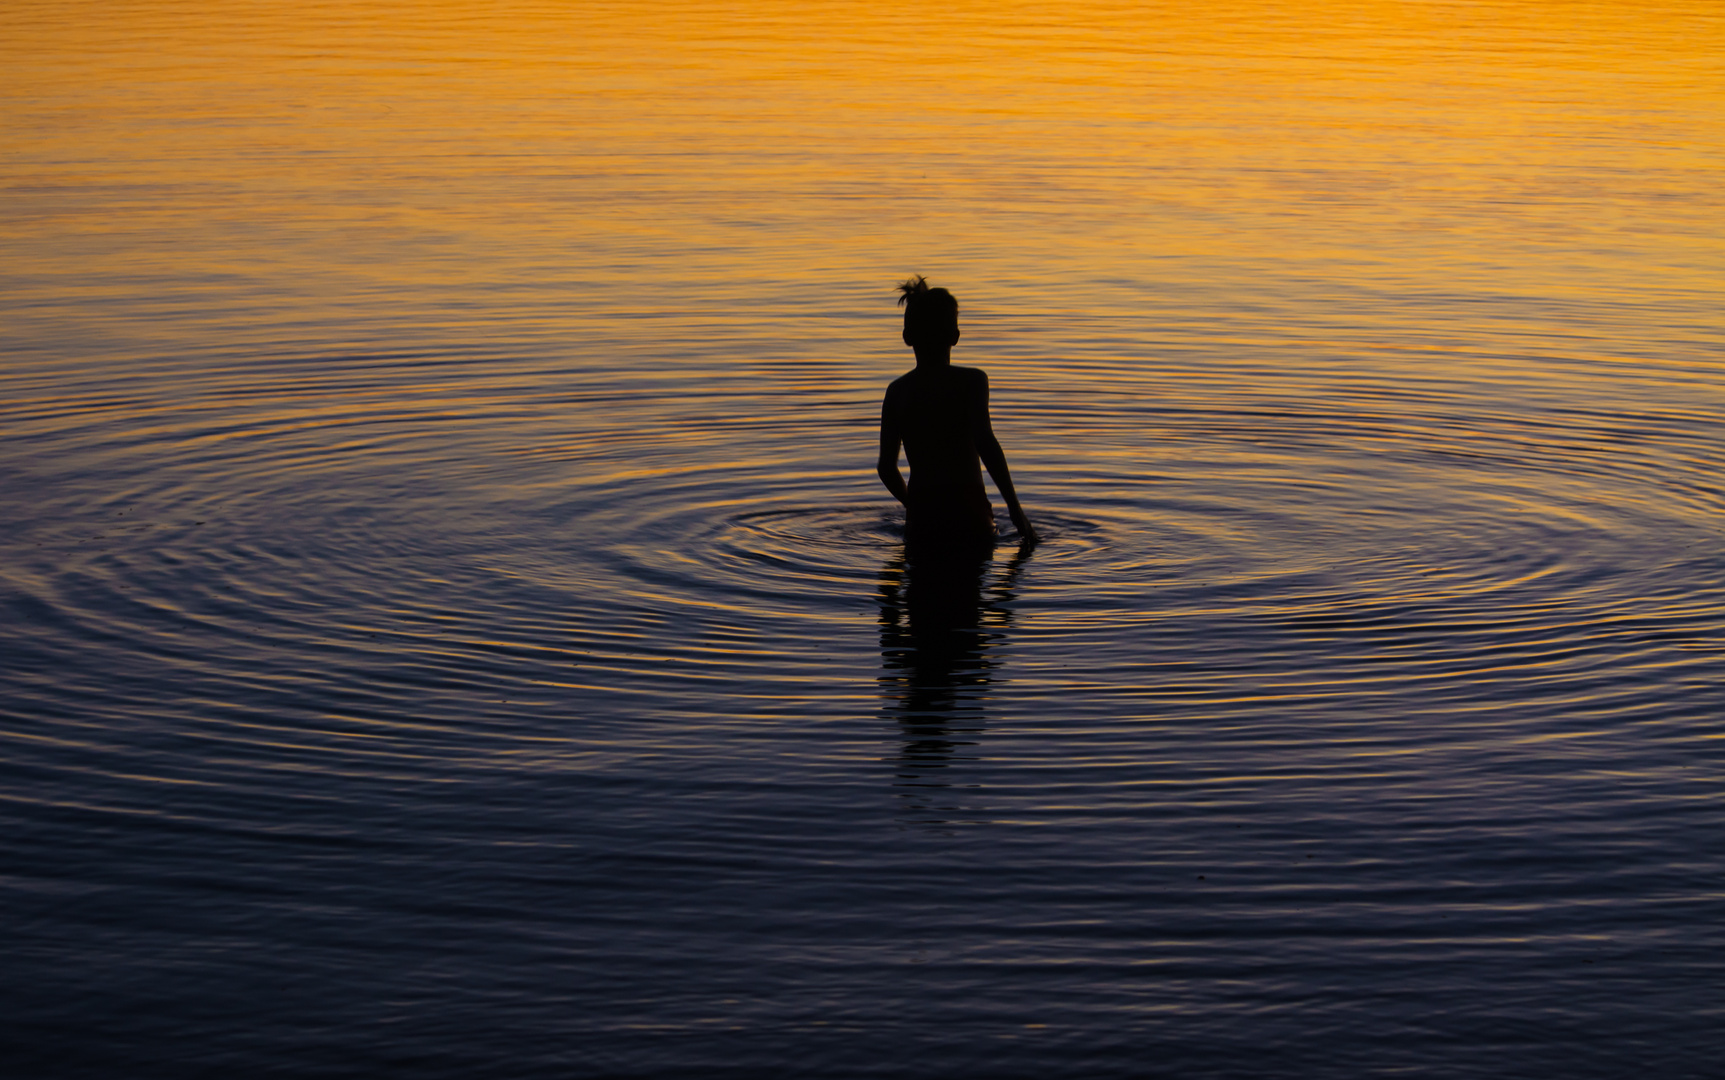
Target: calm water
[{"x": 452, "y": 626}]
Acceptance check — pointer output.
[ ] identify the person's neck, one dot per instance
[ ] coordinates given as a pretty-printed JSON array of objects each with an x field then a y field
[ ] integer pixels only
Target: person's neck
[{"x": 932, "y": 357}]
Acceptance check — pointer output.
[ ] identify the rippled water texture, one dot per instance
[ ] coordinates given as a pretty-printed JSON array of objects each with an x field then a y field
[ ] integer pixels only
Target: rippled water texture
[{"x": 451, "y": 625}]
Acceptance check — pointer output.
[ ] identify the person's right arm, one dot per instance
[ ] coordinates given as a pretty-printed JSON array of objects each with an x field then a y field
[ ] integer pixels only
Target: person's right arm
[{"x": 890, "y": 437}]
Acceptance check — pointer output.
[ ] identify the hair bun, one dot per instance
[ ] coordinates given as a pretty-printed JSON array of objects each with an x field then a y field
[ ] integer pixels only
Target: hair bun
[{"x": 911, "y": 286}]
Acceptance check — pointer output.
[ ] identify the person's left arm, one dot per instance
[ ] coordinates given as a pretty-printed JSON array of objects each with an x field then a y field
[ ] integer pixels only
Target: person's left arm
[{"x": 994, "y": 458}]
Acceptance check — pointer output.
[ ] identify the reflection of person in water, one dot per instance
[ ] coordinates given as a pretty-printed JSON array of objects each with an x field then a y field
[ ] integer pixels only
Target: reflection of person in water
[
  {"x": 940, "y": 414},
  {"x": 938, "y": 621}
]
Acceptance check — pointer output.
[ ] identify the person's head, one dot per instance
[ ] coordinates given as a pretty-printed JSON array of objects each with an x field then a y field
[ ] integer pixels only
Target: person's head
[{"x": 930, "y": 315}]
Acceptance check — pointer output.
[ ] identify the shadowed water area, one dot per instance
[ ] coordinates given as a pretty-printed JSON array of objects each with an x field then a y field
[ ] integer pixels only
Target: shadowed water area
[{"x": 450, "y": 624}]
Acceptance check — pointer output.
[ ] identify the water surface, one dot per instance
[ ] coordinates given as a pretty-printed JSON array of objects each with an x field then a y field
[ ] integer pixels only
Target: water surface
[{"x": 452, "y": 625}]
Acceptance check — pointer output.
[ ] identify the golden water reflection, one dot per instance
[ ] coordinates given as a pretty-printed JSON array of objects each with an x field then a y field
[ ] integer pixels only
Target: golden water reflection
[{"x": 399, "y": 156}]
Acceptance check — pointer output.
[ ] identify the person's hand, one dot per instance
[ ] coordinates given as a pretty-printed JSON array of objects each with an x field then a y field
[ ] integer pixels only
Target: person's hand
[{"x": 1026, "y": 534}]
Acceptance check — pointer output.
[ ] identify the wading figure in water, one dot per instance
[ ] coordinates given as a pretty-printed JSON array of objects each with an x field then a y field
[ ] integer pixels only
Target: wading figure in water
[{"x": 940, "y": 414}]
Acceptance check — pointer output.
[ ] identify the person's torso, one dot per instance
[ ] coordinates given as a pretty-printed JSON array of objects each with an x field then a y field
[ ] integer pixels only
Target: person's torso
[{"x": 936, "y": 411}]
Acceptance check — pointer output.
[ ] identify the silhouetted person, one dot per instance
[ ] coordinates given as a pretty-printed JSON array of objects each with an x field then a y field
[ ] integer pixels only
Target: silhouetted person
[{"x": 940, "y": 414}]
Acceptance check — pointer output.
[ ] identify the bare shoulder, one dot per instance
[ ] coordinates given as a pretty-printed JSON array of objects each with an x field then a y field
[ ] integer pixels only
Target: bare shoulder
[
  {"x": 898, "y": 388},
  {"x": 973, "y": 380}
]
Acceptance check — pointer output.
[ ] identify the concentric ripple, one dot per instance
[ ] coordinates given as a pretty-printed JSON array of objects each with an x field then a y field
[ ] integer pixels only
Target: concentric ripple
[{"x": 1348, "y": 694}]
